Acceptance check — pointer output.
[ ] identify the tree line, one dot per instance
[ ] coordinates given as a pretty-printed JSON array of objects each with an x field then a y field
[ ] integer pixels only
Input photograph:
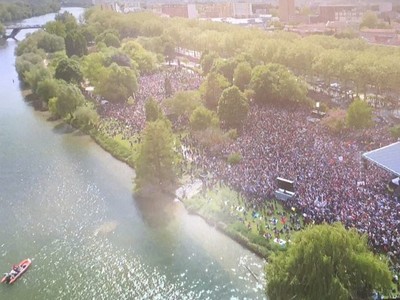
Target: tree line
[{"x": 22, "y": 9}]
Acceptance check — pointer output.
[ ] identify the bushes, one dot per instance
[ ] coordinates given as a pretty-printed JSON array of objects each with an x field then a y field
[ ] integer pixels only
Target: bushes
[
  {"x": 234, "y": 158},
  {"x": 395, "y": 131},
  {"x": 335, "y": 120},
  {"x": 203, "y": 118}
]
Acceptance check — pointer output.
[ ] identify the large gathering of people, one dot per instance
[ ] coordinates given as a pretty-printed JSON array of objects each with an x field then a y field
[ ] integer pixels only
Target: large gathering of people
[
  {"x": 332, "y": 182},
  {"x": 128, "y": 119}
]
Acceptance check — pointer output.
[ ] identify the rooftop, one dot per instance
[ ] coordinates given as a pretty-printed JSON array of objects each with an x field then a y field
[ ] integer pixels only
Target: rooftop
[{"x": 387, "y": 157}]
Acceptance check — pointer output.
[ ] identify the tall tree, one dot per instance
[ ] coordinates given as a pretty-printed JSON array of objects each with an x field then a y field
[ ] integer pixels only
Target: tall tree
[
  {"x": 274, "y": 83},
  {"x": 183, "y": 103},
  {"x": 203, "y": 118},
  {"x": 68, "y": 99},
  {"x": 152, "y": 110},
  {"x": 69, "y": 70},
  {"x": 156, "y": 162},
  {"x": 207, "y": 61},
  {"x": 47, "y": 89},
  {"x": 225, "y": 67},
  {"x": 211, "y": 89},
  {"x": 75, "y": 44},
  {"x": 326, "y": 262},
  {"x": 242, "y": 75},
  {"x": 233, "y": 107},
  {"x": 117, "y": 83},
  {"x": 35, "y": 75},
  {"x": 169, "y": 52},
  {"x": 359, "y": 115}
]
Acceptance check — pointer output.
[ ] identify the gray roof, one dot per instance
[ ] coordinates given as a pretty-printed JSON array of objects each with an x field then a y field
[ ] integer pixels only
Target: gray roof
[{"x": 387, "y": 157}]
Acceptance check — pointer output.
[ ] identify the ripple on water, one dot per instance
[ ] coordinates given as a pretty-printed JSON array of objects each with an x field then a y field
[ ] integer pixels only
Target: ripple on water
[
  {"x": 80, "y": 261},
  {"x": 97, "y": 270}
]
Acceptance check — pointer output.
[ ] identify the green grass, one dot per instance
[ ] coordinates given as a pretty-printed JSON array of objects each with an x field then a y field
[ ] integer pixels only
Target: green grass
[
  {"x": 116, "y": 146},
  {"x": 223, "y": 207}
]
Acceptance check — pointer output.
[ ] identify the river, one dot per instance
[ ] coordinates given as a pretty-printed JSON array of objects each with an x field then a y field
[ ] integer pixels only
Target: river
[{"x": 68, "y": 205}]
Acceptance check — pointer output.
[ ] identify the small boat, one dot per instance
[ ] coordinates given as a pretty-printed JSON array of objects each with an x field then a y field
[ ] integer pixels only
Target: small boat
[{"x": 22, "y": 266}]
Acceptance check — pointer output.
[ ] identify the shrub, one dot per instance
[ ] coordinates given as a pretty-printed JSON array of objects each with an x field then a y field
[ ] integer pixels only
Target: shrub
[
  {"x": 335, "y": 120},
  {"x": 395, "y": 131},
  {"x": 234, "y": 158},
  {"x": 232, "y": 134}
]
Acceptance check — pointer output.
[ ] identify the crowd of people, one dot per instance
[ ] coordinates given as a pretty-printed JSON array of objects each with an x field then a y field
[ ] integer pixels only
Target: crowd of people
[
  {"x": 332, "y": 183},
  {"x": 129, "y": 119}
]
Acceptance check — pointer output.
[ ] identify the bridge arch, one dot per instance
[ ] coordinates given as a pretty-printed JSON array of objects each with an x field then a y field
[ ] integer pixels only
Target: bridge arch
[{"x": 15, "y": 29}]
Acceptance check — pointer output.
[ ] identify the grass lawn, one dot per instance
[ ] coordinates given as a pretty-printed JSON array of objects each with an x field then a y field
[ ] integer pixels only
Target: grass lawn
[{"x": 256, "y": 228}]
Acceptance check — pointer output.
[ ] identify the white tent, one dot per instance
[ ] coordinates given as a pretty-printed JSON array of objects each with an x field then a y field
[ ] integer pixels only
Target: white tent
[{"x": 387, "y": 157}]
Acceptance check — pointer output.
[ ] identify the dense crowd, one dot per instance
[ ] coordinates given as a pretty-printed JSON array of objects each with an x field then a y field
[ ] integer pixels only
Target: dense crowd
[
  {"x": 331, "y": 181},
  {"x": 129, "y": 119}
]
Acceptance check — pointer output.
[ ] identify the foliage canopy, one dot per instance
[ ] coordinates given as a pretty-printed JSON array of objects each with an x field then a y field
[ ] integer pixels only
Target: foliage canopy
[{"x": 326, "y": 262}]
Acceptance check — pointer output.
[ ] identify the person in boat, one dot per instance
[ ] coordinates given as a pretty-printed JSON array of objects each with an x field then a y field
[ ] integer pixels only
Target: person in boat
[
  {"x": 15, "y": 270},
  {"x": 8, "y": 276}
]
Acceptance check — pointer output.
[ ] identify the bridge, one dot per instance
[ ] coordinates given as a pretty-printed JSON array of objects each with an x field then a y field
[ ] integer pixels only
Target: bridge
[{"x": 17, "y": 28}]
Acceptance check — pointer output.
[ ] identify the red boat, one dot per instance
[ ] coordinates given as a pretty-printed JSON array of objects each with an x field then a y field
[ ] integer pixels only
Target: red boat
[{"x": 22, "y": 267}]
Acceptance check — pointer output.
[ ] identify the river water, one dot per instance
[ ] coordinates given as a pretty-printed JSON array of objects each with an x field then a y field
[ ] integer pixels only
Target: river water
[{"x": 68, "y": 205}]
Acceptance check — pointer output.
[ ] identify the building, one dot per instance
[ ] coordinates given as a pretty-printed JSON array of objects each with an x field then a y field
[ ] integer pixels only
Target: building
[
  {"x": 242, "y": 10},
  {"x": 175, "y": 10},
  {"x": 286, "y": 10},
  {"x": 338, "y": 13},
  {"x": 214, "y": 10},
  {"x": 381, "y": 36}
]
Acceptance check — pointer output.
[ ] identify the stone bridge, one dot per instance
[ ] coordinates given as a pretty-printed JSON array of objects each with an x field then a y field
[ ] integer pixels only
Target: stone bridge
[{"x": 17, "y": 28}]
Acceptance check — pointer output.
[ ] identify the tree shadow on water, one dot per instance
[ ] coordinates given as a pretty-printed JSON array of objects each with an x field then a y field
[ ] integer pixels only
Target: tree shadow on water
[
  {"x": 63, "y": 128},
  {"x": 156, "y": 208}
]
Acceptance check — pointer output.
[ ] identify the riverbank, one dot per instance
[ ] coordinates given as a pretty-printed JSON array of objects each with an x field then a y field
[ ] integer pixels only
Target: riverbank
[{"x": 261, "y": 230}]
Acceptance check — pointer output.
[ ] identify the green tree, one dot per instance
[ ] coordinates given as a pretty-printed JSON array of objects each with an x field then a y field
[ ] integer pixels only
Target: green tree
[
  {"x": 242, "y": 75},
  {"x": 56, "y": 27},
  {"x": 156, "y": 162},
  {"x": 183, "y": 103},
  {"x": 35, "y": 75},
  {"x": 110, "y": 38},
  {"x": 211, "y": 89},
  {"x": 152, "y": 110},
  {"x": 117, "y": 83},
  {"x": 146, "y": 60},
  {"x": 169, "y": 52},
  {"x": 359, "y": 115},
  {"x": 233, "y": 107},
  {"x": 2, "y": 30},
  {"x": 274, "y": 83},
  {"x": 225, "y": 67},
  {"x": 203, "y": 118},
  {"x": 329, "y": 262},
  {"x": 50, "y": 42},
  {"x": 93, "y": 67},
  {"x": 207, "y": 61},
  {"x": 369, "y": 20},
  {"x": 75, "y": 44},
  {"x": 47, "y": 89},
  {"x": 68, "y": 99},
  {"x": 86, "y": 117},
  {"x": 69, "y": 70}
]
